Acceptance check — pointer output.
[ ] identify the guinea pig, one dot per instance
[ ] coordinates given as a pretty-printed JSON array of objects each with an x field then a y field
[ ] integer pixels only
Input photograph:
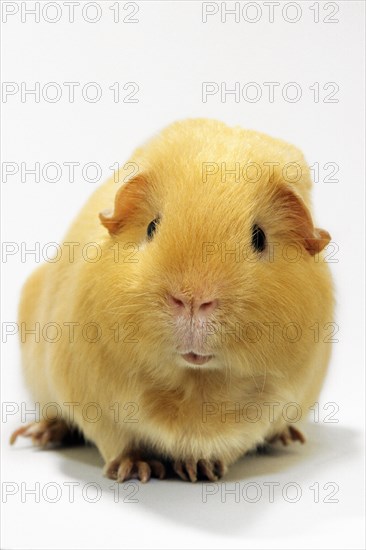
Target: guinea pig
[{"x": 177, "y": 326}]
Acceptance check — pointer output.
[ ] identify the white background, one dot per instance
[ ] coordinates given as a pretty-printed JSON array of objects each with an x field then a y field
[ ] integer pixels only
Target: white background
[{"x": 169, "y": 52}]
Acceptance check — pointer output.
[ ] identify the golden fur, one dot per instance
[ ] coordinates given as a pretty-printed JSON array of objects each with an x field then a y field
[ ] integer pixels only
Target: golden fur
[{"x": 198, "y": 214}]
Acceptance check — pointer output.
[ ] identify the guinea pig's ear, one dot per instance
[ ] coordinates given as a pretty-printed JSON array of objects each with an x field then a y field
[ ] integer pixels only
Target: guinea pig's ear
[
  {"x": 297, "y": 219},
  {"x": 129, "y": 200}
]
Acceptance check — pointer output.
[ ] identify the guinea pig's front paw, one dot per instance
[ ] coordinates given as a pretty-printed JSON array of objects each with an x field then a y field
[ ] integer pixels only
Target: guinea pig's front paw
[
  {"x": 48, "y": 433},
  {"x": 202, "y": 470},
  {"x": 289, "y": 434},
  {"x": 132, "y": 466}
]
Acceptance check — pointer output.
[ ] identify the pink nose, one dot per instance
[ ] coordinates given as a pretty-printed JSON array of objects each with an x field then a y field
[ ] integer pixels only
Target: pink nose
[{"x": 182, "y": 304}]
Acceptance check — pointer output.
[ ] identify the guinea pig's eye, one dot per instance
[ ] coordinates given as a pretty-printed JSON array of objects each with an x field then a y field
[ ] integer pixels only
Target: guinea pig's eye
[
  {"x": 258, "y": 238},
  {"x": 151, "y": 228}
]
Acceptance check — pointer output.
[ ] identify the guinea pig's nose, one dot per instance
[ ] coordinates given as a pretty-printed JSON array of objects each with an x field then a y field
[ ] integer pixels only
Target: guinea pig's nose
[
  {"x": 194, "y": 306},
  {"x": 204, "y": 307}
]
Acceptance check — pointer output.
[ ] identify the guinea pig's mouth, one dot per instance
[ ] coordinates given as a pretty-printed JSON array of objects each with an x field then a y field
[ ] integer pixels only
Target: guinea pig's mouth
[{"x": 195, "y": 358}]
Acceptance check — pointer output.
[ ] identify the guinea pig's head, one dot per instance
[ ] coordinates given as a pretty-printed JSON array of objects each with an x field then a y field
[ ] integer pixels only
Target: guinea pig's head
[{"x": 218, "y": 270}]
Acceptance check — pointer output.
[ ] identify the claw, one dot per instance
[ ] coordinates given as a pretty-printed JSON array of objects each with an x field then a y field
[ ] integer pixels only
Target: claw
[
  {"x": 143, "y": 471},
  {"x": 220, "y": 468},
  {"x": 19, "y": 431},
  {"x": 296, "y": 435},
  {"x": 191, "y": 467},
  {"x": 178, "y": 467},
  {"x": 207, "y": 469},
  {"x": 133, "y": 467},
  {"x": 44, "y": 433},
  {"x": 191, "y": 470},
  {"x": 124, "y": 470},
  {"x": 289, "y": 434},
  {"x": 157, "y": 469}
]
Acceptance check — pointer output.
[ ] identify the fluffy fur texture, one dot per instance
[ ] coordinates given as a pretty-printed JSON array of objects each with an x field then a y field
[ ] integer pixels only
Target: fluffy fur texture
[{"x": 183, "y": 410}]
